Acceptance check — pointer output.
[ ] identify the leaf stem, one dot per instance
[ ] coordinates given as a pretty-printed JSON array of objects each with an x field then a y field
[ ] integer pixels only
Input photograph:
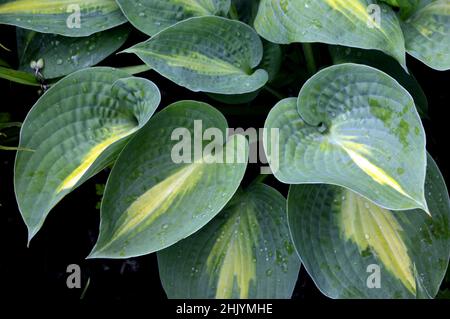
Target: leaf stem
[
  {"x": 10, "y": 148},
  {"x": 4, "y": 48},
  {"x": 83, "y": 294},
  {"x": 309, "y": 57},
  {"x": 260, "y": 179},
  {"x": 274, "y": 92},
  {"x": 233, "y": 12},
  {"x": 10, "y": 124}
]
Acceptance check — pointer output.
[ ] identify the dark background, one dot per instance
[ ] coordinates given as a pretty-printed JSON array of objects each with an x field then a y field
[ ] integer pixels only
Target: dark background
[{"x": 71, "y": 229}]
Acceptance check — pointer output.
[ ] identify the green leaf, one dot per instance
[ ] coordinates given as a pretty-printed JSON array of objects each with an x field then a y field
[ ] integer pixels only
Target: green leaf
[
  {"x": 342, "y": 22},
  {"x": 153, "y": 198},
  {"x": 356, "y": 127},
  {"x": 18, "y": 76},
  {"x": 386, "y": 64},
  {"x": 4, "y": 117},
  {"x": 342, "y": 239},
  {"x": 245, "y": 252},
  {"x": 427, "y": 35},
  {"x": 406, "y": 6},
  {"x": 153, "y": 16},
  {"x": 4, "y": 63},
  {"x": 136, "y": 69},
  {"x": 76, "y": 129},
  {"x": 4, "y": 125},
  {"x": 64, "y": 55},
  {"x": 61, "y": 16},
  {"x": 208, "y": 54},
  {"x": 271, "y": 62}
]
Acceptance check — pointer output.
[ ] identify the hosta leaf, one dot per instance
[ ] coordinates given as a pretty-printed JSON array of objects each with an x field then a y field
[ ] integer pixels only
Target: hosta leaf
[
  {"x": 271, "y": 62},
  {"x": 74, "y": 18},
  {"x": 153, "y": 16},
  {"x": 245, "y": 252},
  {"x": 386, "y": 64},
  {"x": 427, "y": 35},
  {"x": 343, "y": 22},
  {"x": 64, "y": 55},
  {"x": 152, "y": 199},
  {"x": 342, "y": 239},
  {"x": 209, "y": 54},
  {"x": 356, "y": 127},
  {"x": 135, "y": 69},
  {"x": 75, "y": 129}
]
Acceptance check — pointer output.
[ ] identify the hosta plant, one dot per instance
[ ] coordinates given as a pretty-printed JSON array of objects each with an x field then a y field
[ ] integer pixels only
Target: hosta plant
[{"x": 367, "y": 213}]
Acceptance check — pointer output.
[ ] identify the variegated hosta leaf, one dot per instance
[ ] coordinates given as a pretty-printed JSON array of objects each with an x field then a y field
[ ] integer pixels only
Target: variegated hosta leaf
[
  {"x": 427, "y": 35},
  {"x": 64, "y": 55},
  {"x": 353, "y": 126},
  {"x": 76, "y": 129},
  {"x": 153, "y": 16},
  {"x": 165, "y": 186},
  {"x": 208, "y": 54},
  {"x": 271, "y": 62},
  {"x": 355, "y": 249},
  {"x": 386, "y": 64},
  {"x": 245, "y": 252},
  {"x": 73, "y": 18},
  {"x": 354, "y": 23}
]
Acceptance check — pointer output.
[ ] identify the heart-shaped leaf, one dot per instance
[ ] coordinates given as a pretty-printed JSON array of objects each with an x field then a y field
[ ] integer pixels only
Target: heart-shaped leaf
[
  {"x": 73, "y": 18},
  {"x": 355, "y": 249},
  {"x": 271, "y": 62},
  {"x": 356, "y": 127},
  {"x": 354, "y": 23},
  {"x": 74, "y": 130},
  {"x": 64, "y": 55},
  {"x": 386, "y": 64},
  {"x": 164, "y": 189},
  {"x": 427, "y": 35},
  {"x": 153, "y": 16},
  {"x": 208, "y": 54},
  {"x": 245, "y": 252}
]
